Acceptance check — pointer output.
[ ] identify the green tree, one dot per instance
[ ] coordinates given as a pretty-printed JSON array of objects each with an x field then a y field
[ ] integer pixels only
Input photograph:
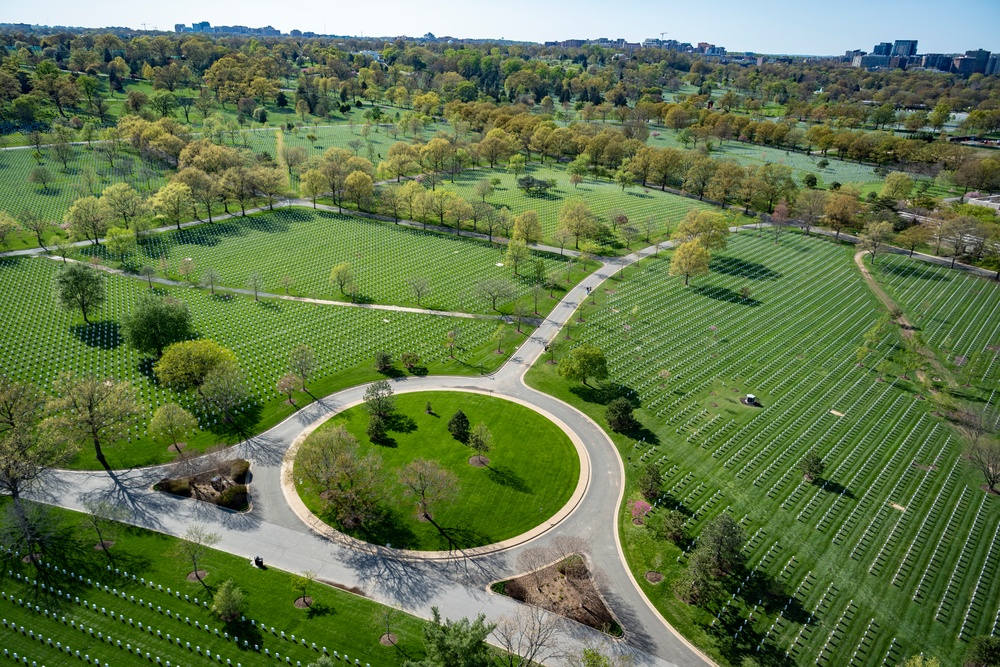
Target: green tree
[
  {"x": 156, "y": 322},
  {"x": 983, "y": 651},
  {"x": 458, "y": 426},
  {"x": 583, "y": 362},
  {"x": 342, "y": 275},
  {"x": 577, "y": 219},
  {"x": 618, "y": 414},
  {"x": 196, "y": 542},
  {"x": 722, "y": 539},
  {"x": 875, "y": 236},
  {"x": 811, "y": 465},
  {"x": 173, "y": 202},
  {"x": 380, "y": 399},
  {"x": 229, "y": 602},
  {"x": 667, "y": 525},
  {"x": 690, "y": 259},
  {"x": 123, "y": 201},
  {"x": 708, "y": 227},
  {"x": 188, "y": 363},
  {"x": 87, "y": 218},
  {"x": 649, "y": 482},
  {"x": 459, "y": 643},
  {"x": 897, "y": 186},
  {"x": 170, "y": 424},
  {"x": 27, "y": 449},
  {"x": 481, "y": 440},
  {"x": 302, "y": 362},
  {"x": 79, "y": 286}
]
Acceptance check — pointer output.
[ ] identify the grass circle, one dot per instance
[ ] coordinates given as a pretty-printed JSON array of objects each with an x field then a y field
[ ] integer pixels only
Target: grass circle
[{"x": 533, "y": 470}]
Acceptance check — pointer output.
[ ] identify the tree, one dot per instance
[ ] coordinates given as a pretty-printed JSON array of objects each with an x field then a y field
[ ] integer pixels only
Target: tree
[
  {"x": 913, "y": 236},
  {"x": 302, "y": 362},
  {"x": 123, "y": 201},
  {"x": 897, "y": 186},
  {"x": 79, "y": 286},
  {"x": 484, "y": 188},
  {"x": 7, "y": 227},
  {"x": 481, "y": 440},
  {"x": 359, "y": 188},
  {"x": 690, "y": 259},
  {"x": 528, "y": 228},
  {"x": 459, "y": 643},
  {"x": 172, "y": 202},
  {"x": 301, "y": 583},
  {"x": 37, "y": 225},
  {"x": 383, "y": 361},
  {"x": 196, "y": 542},
  {"x": 985, "y": 457},
  {"x": 170, "y": 424},
  {"x": 517, "y": 252},
  {"x": 780, "y": 219},
  {"x": 495, "y": 290},
  {"x": 229, "y": 602},
  {"x": 983, "y": 651},
  {"x": 187, "y": 363},
  {"x": 224, "y": 393},
  {"x": 286, "y": 385},
  {"x": 649, "y": 482},
  {"x": 618, "y": 414},
  {"x": 27, "y": 450},
  {"x": 41, "y": 176},
  {"x": 120, "y": 242},
  {"x": 255, "y": 281},
  {"x": 809, "y": 207},
  {"x": 156, "y": 322},
  {"x": 577, "y": 219},
  {"x": 209, "y": 278},
  {"x": 429, "y": 484},
  {"x": 352, "y": 483},
  {"x": 420, "y": 286},
  {"x": 342, "y": 275},
  {"x": 458, "y": 426},
  {"x": 668, "y": 525},
  {"x": 722, "y": 539},
  {"x": 105, "y": 517},
  {"x": 708, "y": 227},
  {"x": 811, "y": 465},
  {"x": 87, "y": 218},
  {"x": 379, "y": 399},
  {"x": 956, "y": 234},
  {"x": 95, "y": 411},
  {"x": 583, "y": 362},
  {"x": 526, "y": 638},
  {"x": 875, "y": 236},
  {"x": 841, "y": 209},
  {"x": 313, "y": 184}
]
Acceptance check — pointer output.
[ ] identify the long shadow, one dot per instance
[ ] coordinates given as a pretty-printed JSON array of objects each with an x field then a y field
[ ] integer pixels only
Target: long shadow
[
  {"x": 239, "y": 426},
  {"x": 104, "y": 335},
  {"x": 734, "y": 266},
  {"x": 247, "y": 632},
  {"x": 400, "y": 423},
  {"x": 389, "y": 529},
  {"x": 504, "y": 476},
  {"x": 833, "y": 487},
  {"x": 907, "y": 272},
  {"x": 725, "y": 294},
  {"x": 602, "y": 393}
]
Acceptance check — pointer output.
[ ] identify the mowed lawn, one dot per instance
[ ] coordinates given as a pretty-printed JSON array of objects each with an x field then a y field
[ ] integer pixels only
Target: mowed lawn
[
  {"x": 40, "y": 341},
  {"x": 305, "y": 245},
  {"x": 533, "y": 470},
  {"x": 144, "y": 610},
  {"x": 891, "y": 553}
]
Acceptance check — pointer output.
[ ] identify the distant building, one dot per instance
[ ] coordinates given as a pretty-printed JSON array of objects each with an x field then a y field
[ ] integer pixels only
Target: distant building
[
  {"x": 963, "y": 66},
  {"x": 937, "y": 61},
  {"x": 882, "y": 49},
  {"x": 870, "y": 61},
  {"x": 982, "y": 58},
  {"x": 206, "y": 27},
  {"x": 904, "y": 47},
  {"x": 852, "y": 54},
  {"x": 993, "y": 65}
]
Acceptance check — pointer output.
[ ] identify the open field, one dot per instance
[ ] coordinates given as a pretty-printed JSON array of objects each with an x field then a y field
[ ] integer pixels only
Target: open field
[
  {"x": 532, "y": 472},
  {"x": 888, "y": 554},
  {"x": 146, "y": 610},
  {"x": 305, "y": 245},
  {"x": 40, "y": 341}
]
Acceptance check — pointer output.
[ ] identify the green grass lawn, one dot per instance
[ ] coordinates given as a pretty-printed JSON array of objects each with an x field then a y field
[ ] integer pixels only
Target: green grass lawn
[
  {"x": 533, "y": 470},
  {"x": 306, "y": 244},
  {"x": 148, "y": 580},
  {"x": 603, "y": 198},
  {"x": 881, "y": 557},
  {"x": 41, "y": 341}
]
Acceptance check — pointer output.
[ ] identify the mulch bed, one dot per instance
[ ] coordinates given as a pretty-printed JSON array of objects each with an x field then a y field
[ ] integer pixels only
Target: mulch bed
[
  {"x": 927, "y": 468},
  {"x": 654, "y": 577},
  {"x": 303, "y": 602},
  {"x": 106, "y": 544},
  {"x": 479, "y": 461},
  {"x": 387, "y": 639},
  {"x": 197, "y": 575},
  {"x": 986, "y": 488},
  {"x": 31, "y": 558}
]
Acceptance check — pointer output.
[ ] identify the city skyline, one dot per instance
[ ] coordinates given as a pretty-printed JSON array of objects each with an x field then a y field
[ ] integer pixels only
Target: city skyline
[{"x": 775, "y": 26}]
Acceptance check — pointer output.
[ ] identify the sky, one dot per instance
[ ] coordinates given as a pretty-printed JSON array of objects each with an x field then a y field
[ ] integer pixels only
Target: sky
[{"x": 766, "y": 26}]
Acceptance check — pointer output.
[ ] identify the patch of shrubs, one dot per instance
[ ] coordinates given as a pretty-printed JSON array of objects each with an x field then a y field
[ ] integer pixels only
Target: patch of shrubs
[
  {"x": 177, "y": 487},
  {"x": 240, "y": 471},
  {"x": 234, "y": 497}
]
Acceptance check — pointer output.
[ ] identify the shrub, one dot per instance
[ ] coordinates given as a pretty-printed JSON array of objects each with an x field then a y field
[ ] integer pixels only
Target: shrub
[
  {"x": 239, "y": 470},
  {"x": 177, "y": 487},
  {"x": 234, "y": 497},
  {"x": 650, "y": 481},
  {"x": 383, "y": 361},
  {"x": 376, "y": 428}
]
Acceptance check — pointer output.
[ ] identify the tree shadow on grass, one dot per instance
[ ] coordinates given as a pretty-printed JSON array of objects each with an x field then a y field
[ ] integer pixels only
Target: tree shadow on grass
[
  {"x": 319, "y": 609},
  {"x": 907, "y": 272},
  {"x": 504, "y": 476},
  {"x": 104, "y": 335},
  {"x": 245, "y": 631},
  {"x": 602, "y": 393},
  {"x": 734, "y": 266},
  {"x": 724, "y": 294},
  {"x": 832, "y": 487},
  {"x": 389, "y": 529},
  {"x": 400, "y": 423},
  {"x": 392, "y": 372},
  {"x": 239, "y": 426}
]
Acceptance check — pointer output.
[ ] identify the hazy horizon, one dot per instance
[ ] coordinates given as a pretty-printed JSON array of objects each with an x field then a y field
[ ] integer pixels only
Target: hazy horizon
[{"x": 771, "y": 26}]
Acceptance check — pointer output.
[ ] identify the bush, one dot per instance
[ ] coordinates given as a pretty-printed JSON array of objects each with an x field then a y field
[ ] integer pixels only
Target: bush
[
  {"x": 649, "y": 482},
  {"x": 383, "y": 361},
  {"x": 234, "y": 497},
  {"x": 239, "y": 471},
  {"x": 983, "y": 651},
  {"x": 376, "y": 428},
  {"x": 619, "y": 415},
  {"x": 177, "y": 487}
]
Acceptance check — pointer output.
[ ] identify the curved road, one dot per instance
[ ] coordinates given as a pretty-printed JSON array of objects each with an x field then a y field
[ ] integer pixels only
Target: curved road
[{"x": 458, "y": 586}]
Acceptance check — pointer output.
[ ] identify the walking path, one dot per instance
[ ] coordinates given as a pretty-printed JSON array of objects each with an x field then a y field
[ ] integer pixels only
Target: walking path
[{"x": 457, "y": 585}]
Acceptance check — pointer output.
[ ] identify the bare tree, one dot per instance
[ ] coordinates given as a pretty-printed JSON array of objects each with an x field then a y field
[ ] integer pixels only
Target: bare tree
[
  {"x": 420, "y": 286},
  {"x": 495, "y": 290},
  {"x": 985, "y": 457},
  {"x": 527, "y": 637},
  {"x": 196, "y": 543},
  {"x": 105, "y": 517},
  {"x": 92, "y": 410},
  {"x": 430, "y": 485}
]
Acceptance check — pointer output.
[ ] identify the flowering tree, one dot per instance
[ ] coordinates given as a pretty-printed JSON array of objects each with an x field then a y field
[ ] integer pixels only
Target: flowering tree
[{"x": 639, "y": 510}]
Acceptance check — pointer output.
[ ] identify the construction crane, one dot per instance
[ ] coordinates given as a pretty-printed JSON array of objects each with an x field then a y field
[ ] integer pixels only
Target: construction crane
[{"x": 663, "y": 33}]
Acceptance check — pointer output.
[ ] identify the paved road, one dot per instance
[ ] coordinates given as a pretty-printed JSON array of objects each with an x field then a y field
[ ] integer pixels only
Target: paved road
[{"x": 459, "y": 586}]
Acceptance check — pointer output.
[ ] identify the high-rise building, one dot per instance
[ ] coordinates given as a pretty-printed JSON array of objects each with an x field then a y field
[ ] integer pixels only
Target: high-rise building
[
  {"x": 982, "y": 58},
  {"x": 904, "y": 47},
  {"x": 993, "y": 65},
  {"x": 882, "y": 49},
  {"x": 937, "y": 61}
]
